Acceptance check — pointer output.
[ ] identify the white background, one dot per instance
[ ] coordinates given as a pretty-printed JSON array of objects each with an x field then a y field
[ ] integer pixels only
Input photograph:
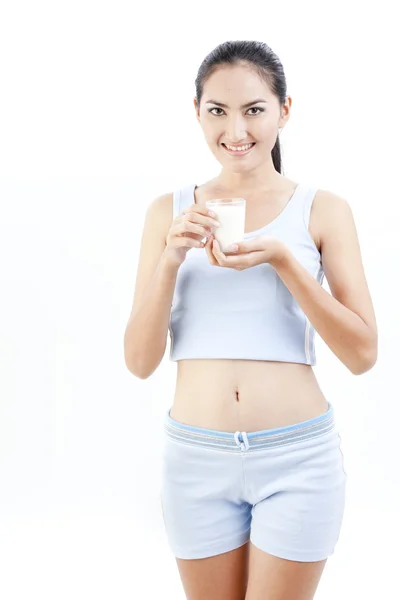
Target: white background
[{"x": 96, "y": 119}]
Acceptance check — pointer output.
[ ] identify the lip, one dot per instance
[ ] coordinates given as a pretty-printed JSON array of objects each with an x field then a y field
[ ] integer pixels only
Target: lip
[{"x": 235, "y": 152}]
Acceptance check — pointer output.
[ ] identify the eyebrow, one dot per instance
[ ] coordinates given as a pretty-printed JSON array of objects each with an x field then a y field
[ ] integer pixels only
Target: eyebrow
[{"x": 244, "y": 105}]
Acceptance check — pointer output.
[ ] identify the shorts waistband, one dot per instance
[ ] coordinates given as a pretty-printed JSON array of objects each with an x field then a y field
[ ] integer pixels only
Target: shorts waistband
[{"x": 256, "y": 440}]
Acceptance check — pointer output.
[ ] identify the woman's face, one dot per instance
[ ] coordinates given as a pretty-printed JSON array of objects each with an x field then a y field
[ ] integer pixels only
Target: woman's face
[{"x": 237, "y": 108}]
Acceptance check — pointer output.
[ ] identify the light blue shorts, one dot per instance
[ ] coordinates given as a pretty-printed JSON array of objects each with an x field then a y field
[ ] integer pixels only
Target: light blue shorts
[{"x": 283, "y": 489}]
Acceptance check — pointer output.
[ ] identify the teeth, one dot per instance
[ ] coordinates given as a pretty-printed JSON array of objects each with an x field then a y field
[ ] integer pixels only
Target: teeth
[{"x": 239, "y": 148}]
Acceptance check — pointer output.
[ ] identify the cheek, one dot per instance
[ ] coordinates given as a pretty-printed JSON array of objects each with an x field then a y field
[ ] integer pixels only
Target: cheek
[
  {"x": 213, "y": 138},
  {"x": 206, "y": 129},
  {"x": 212, "y": 131},
  {"x": 265, "y": 131}
]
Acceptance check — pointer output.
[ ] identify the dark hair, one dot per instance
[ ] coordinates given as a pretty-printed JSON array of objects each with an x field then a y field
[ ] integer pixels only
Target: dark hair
[{"x": 257, "y": 55}]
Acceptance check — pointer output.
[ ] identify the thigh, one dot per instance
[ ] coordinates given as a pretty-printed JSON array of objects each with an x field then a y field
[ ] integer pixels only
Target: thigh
[
  {"x": 274, "y": 578},
  {"x": 218, "y": 577},
  {"x": 298, "y": 510},
  {"x": 203, "y": 508}
]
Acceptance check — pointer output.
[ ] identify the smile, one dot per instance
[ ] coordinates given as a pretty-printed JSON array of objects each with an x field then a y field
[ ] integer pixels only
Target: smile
[{"x": 238, "y": 150}]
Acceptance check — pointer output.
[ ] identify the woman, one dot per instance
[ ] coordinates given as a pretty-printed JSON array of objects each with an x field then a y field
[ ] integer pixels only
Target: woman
[{"x": 253, "y": 486}]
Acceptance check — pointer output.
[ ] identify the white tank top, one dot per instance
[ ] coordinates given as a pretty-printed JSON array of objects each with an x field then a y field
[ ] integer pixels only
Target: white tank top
[{"x": 218, "y": 312}]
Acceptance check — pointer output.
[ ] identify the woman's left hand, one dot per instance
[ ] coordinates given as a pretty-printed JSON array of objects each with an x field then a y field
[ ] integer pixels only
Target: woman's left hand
[{"x": 249, "y": 253}]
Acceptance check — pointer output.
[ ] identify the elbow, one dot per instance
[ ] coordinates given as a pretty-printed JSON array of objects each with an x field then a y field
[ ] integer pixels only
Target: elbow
[
  {"x": 141, "y": 359},
  {"x": 134, "y": 363},
  {"x": 138, "y": 373},
  {"x": 365, "y": 359},
  {"x": 137, "y": 370},
  {"x": 143, "y": 375},
  {"x": 140, "y": 368}
]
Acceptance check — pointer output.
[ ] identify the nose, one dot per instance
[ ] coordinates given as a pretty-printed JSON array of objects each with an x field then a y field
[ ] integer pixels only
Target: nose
[{"x": 236, "y": 130}]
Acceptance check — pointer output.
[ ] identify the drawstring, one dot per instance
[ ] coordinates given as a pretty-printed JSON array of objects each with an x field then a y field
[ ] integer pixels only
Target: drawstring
[
  {"x": 243, "y": 445},
  {"x": 246, "y": 441}
]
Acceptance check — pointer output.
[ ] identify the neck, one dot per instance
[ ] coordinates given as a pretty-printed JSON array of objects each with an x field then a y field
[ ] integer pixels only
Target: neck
[{"x": 265, "y": 178}]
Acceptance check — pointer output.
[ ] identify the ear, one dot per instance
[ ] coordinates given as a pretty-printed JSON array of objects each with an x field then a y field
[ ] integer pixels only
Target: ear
[
  {"x": 196, "y": 109},
  {"x": 285, "y": 116}
]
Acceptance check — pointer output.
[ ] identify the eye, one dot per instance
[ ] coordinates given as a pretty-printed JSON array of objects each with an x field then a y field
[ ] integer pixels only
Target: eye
[
  {"x": 261, "y": 110},
  {"x": 257, "y": 108},
  {"x": 210, "y": 110}
]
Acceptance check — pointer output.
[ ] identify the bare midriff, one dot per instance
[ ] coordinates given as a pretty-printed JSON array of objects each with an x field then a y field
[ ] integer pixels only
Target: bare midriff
[{"x": 245, "y": 395}]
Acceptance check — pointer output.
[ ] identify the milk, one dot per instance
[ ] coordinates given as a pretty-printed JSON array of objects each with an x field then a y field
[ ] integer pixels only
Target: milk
[{"x": 231, "y": 215}]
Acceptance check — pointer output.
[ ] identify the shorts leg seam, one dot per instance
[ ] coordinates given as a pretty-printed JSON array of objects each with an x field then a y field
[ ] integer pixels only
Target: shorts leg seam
[{"x": 220, "y": 546}]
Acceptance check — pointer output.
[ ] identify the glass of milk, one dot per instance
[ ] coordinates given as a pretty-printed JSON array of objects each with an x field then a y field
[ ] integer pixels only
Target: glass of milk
[{"x": 231, "y": 215}]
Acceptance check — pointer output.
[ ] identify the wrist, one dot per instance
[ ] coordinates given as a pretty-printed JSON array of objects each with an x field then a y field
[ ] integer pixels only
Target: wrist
[
  {"x": 168, "y": 266},
  {"x": 281, "y": 255}
]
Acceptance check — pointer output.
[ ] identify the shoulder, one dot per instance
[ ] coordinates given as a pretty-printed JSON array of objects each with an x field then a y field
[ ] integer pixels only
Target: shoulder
[
  {"x": 159, "y": 213},
  {"x": 328, "y": 204},
  {"x": 161, "y": 208},
  {"x": 329, "y": 212},
  {"x": 327, "y": 201},
  {"x": 161, "y": 204}
]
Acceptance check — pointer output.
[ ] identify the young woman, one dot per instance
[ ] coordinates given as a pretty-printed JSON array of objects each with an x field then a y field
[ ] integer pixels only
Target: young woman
[{"x": 253, "y": 487}]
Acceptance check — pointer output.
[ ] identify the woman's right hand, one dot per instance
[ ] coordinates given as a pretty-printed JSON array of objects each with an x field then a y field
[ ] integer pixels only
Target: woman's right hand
[{"x": 186, "y": 231}]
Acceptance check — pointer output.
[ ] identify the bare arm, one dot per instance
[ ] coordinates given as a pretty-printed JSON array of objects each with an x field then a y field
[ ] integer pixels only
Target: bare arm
[
  {"x": 147, "y": 329},
  {"x": 345, "y": 320}
]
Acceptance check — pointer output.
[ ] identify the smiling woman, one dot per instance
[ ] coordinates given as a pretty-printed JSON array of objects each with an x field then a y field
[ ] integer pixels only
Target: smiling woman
[
  {"x": 240, "y": 102},
  {"x": 253, "y": 485}
]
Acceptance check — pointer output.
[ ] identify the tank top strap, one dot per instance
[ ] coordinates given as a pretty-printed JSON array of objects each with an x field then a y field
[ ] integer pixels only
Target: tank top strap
[
  {"x": 300, "y": 204},
  {"x": 183, "y": 198},
  {"x": 309, "y": 195}
]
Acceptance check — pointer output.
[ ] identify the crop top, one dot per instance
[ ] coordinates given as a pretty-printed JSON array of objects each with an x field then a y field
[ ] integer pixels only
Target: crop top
[{"x": 223, "y": 313}]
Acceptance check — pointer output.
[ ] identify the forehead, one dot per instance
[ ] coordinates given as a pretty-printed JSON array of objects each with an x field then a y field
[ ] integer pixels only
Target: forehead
[{"x": 235, "y": 82}]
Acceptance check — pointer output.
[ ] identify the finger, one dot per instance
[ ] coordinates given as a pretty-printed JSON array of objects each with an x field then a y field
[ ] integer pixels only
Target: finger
[
  {"x": 238, "y": 263},
  {"x": 202, "y": 210},
  {"x": 254, "y": 244},
  {"x": 219, "y": 255},
  {"x": 234, "y": 262},
  {"x": 184, "y": 242},
  {"x": 195, "y": 208},
  {"x": 185, "y": 227},
  {"x": 210, "y": 255},
  {"x": 197, "y": 215}
]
